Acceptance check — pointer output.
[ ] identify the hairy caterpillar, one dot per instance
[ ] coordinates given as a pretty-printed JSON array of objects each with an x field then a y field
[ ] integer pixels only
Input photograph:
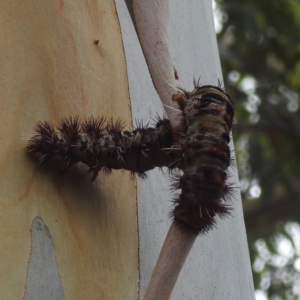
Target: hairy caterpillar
[
  {"x": 199, "y": 148},
  {"x": 100, "y": 144},
  {"x": 208, "y": 113}
]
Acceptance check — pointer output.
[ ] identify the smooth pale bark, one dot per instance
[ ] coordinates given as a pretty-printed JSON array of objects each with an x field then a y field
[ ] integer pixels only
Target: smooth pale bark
[
  {"x": 218, "y": 266},
  {"x": 43, "y": 280},
  {"x": 52, "y": 68}
]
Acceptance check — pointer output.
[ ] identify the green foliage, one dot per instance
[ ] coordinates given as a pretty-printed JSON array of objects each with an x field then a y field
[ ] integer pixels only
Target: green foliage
[
  {"x": 259, "y": 46},
  {"x": 276, "y": 262}
]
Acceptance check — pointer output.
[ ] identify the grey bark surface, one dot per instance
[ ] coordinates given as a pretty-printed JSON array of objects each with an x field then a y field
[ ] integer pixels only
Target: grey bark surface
[
  {"x": 218, "y": 267},
  {"x": 43, "y": 279}
]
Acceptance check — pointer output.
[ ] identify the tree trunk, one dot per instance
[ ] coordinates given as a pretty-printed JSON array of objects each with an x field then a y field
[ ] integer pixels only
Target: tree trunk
[
  {"x": 59, "y": 59},
  {"x": 62, "y": 236}
]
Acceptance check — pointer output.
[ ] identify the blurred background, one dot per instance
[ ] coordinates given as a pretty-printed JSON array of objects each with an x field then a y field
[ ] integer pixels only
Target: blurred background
[{"x": 259, "y": 44}]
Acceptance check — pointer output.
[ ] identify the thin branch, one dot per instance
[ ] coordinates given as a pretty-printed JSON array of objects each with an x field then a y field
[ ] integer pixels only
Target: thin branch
[
  {"x": 176, "y": 248},
  {"x": 151, "y": 19}
]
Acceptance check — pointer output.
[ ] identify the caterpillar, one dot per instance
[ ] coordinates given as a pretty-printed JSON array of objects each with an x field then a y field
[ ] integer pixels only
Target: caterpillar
[
  {"x": 208, "y": 113},
  {"x": 199, "y": 148},
  {"x": 102, "y": 146}
]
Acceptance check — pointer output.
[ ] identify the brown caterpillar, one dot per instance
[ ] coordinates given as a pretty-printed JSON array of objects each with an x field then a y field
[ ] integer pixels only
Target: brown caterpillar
[
  {"x": 208, "y": 113},
  {"x": 100, "y": 144},
  {"x": 200, "y": 149}
]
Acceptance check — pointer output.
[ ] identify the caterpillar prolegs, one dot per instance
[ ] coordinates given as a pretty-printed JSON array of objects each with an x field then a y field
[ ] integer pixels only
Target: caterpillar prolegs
[{"x": 200, "y": 149}]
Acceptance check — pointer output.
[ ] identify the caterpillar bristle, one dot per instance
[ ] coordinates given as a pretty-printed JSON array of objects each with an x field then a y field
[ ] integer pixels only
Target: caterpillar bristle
[
  {"x": 221, "y": 85},
  {"x": 44, "y": 132},
  {"x": 45, "y": 158},
  {"x": 171, "y": 172},
  {"x": 106, "y": 170},
  {"x": 69, "y": 128},
  {"x": 233, "y": 162},
  {"x": 197, "y": 83},
  {"x": 225, "y": 211},
  {"x": 141, "y": 126},
  {"x": 132, "y": 175},
  {"x": 114, "y": 127},
  {"x": 175, "y": 181},
  {"x": 44, "y": 141},
  {"x": 142, "y": 175},
  {"x": 164, "y": 124},
  {"x": 93, "y": 127},
  {"x": 95, "y": 174},
  {"x": 229, "y": 192},
  {"x": 44, "y": 129}
]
